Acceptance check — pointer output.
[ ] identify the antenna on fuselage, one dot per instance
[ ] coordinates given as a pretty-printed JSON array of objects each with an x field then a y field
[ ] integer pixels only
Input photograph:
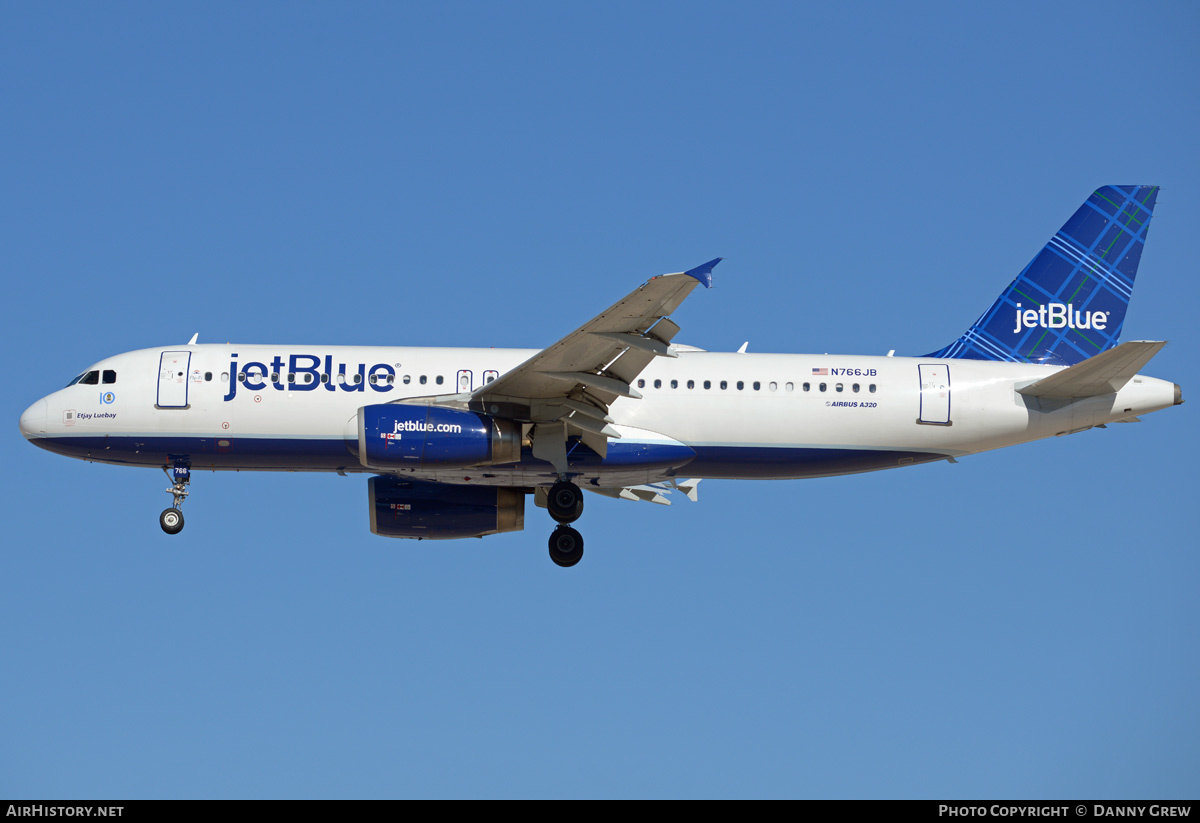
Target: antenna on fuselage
[
  {"x": 195, "y": 337},
  {"x": 742, "y": 350}
]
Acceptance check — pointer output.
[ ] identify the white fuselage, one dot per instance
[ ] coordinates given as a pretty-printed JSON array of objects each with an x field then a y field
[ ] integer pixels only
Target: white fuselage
[{"x": 294, "y": 408}]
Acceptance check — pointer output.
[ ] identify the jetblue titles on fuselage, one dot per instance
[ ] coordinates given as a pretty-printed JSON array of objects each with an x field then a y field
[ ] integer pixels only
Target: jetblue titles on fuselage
[{"x": 304, "y": 373}]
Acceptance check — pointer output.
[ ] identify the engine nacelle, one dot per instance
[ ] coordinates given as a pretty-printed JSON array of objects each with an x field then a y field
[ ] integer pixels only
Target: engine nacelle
[
  {"x": 438, "y": 511},
  {"x": 396, "y": 435}
]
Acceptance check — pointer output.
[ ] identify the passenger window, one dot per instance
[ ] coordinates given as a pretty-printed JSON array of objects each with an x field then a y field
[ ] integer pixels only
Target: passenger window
[
  {"x": 291, "y": 377},
  {"x": 740, "y": 385},
  {"x": 224, "y": 377},
  {"x": 674, "y": 384},
  {"x": 658, "y": 384},
  {"x": 308, "y": 378},
  {"x": 406, "y": 379},
  {"x": 772, "y": 385},
  {"x": 439, "y": 380},
  {"x": 855, "y": 387},
  {"x": 822, "y": 387},
  {"x": 208, "y": 377},
  {"x": 324, "y": 378},
  {"x": 871, "y": 388},
  {"x": 373, "y": 380},
  {"x": 757, "y": 385},
  {"x": 391, "y": 378},
  {"x": 357, "y": 379},
  {"x": 641, "y": 383},
  {"x": 274, "y": 377},
  {"x": 341, "y": 378},
  {"x": 807, "y": 386},
  {"x": 241, "y": 377},
  {"x": 839, "y": 387},
  {"x": 423, "y": 380},
  {"x": 724, "y": 385},
  {"x": 110, "y": 376},
  {"x": 691, "y": 384},
  {"x": 789, "y": 386},
  {"x": 708, "y": 384}
]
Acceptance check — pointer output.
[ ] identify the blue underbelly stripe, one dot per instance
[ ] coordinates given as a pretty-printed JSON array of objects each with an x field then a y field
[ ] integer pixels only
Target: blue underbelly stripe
[{"x": 730, "y": 461}]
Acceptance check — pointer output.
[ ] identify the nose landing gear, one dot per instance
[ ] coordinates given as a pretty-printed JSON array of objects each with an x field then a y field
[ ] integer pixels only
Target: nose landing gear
[
  {"x": 171, "y": 520},
  {"x": 565, "y": 504}
]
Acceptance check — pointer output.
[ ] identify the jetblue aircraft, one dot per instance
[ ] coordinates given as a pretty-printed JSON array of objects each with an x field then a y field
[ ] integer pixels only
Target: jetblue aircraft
[{"x": 456, "y": 439}]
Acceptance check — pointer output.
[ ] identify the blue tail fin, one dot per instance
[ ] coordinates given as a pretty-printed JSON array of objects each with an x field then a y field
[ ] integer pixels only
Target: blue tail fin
[{"x": 1069, "y": 303}]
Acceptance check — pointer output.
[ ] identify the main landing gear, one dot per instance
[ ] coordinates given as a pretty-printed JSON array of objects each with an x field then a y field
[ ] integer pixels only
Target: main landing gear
[
  {"x": 565, "y": 504},
  {"x": 171, "y": 519},
  {"x": 566, "y": 546}
]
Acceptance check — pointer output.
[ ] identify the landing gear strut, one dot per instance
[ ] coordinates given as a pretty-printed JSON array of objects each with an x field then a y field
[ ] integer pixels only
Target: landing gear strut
[
  {"x": 565, "y": 504},
  {"x": 171, "y": 519}
]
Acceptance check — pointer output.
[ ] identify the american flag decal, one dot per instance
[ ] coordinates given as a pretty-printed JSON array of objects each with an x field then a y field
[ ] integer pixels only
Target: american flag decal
[{"x": 820, "y": 372}]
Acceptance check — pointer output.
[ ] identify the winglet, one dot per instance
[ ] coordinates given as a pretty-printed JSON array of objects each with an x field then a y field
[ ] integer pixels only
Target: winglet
[{"x": 704, "y": 273}]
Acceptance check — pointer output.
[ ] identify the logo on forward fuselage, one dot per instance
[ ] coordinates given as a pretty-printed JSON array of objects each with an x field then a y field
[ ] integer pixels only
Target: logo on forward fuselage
[{"x": 304, "y": 373}]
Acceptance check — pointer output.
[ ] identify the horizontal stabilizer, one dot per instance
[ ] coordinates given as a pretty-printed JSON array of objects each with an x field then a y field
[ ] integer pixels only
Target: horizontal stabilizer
[
  {"x": 688, "y": 487},
  {"x": 1106, "y": 373}
]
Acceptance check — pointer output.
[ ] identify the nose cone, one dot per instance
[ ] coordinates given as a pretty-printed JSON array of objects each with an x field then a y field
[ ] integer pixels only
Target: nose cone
[{"x": 33, "y": 421}]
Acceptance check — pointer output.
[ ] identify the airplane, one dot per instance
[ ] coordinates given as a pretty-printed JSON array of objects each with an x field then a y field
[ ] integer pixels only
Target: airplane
[{"x": 456, "y": 439}]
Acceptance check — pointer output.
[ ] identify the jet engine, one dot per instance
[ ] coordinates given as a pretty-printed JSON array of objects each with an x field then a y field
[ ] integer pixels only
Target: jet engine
[
  {"x": 438, "y": 511},
  {"x": 396, "y": 435}
]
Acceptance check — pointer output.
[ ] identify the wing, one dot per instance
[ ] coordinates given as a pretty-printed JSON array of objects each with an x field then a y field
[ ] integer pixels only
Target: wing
[{"x": 568, "y": 387}]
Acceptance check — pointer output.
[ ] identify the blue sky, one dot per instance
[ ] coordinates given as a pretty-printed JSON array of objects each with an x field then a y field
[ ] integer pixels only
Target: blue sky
[{"x": 1021, "y": 624}]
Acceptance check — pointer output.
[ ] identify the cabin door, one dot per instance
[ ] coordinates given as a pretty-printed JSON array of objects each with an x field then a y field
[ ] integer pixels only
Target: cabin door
[{"x": 172, "y": 379}]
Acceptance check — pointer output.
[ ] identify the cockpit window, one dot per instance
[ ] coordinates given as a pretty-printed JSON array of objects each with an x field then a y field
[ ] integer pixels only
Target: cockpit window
[
  {"x": 76, "y": 379},
  {"x": 110, "y": 376},
  {"x": 92, "y": 378}
]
